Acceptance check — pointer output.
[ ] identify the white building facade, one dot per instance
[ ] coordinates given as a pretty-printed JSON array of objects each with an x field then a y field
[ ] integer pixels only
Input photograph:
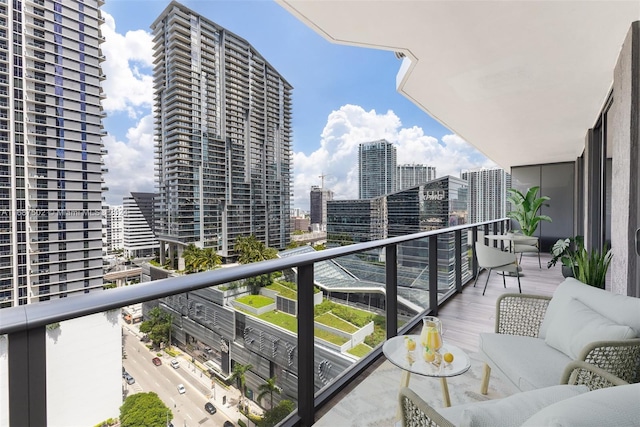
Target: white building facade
[
  {"x": 139, "y": 239},
  {"x": 377, "y": 162},
  {"x": 408, "y": 176},
  {"x": 487, "y": 193}
]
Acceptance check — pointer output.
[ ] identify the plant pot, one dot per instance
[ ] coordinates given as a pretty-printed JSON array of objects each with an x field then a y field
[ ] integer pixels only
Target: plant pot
[{"x": 567, "y": 271}]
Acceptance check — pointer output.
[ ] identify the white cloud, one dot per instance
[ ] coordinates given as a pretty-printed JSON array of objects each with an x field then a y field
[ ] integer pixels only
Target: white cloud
[
  {"x": 130, "y": 163},
  {"x": 128, "y": 87},
  {"x": 337, "y": 157}
]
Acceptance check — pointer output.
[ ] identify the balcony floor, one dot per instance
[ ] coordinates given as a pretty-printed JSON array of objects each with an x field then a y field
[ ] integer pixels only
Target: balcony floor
[{"x": 463, "y": 317}]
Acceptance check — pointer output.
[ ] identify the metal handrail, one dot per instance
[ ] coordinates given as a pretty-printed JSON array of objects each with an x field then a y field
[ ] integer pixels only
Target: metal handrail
[
  {"x": 28, "y": 316},
  {"x": 25, "y": 325}
]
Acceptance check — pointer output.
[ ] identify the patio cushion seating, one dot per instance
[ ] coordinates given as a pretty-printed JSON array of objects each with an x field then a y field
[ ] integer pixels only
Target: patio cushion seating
[
  {"x": 536, "y": 336},
  {"x": 542, "y": 407}
]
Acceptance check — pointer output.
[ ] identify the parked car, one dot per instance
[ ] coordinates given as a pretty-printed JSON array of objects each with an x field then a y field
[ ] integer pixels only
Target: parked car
[
  {"x": 175, "y": 363},
  {"x": 129, "y": 379},
  {"x": 156, "y": 361},
  {"x": 145, "y": 338},
  {"x": 181, "y": 389},
  {"x": 228, "y": 424},
  {"x": 210, "y": 408}
]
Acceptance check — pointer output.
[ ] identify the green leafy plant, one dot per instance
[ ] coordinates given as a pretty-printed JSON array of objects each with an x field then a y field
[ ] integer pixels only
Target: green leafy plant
[
  {"x": 565, "y": 251},
  {"x": 591, "y": 266},
  {"x": 525, "y": 209}
]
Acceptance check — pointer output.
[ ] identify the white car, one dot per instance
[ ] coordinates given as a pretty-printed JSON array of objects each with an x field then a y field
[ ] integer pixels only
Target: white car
[
  {"x": 175, "y": 363},
  {"x": 181, "y": 389}
]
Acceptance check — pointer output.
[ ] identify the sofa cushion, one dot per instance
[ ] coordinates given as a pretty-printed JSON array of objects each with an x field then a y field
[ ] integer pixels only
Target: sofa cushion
[
  {"x": 529, "y": 363},
  {"x": 515, "y": 409},
  {"x": 487, "y": 411},
  {"x": 578, "y": 325},
  {"x": 613, "y": 406},
  {"x": 621, "y": 309}
]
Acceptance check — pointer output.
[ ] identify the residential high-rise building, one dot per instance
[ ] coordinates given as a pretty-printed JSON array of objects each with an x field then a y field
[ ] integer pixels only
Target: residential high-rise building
[
  {"x": 408, "y": 176},
  {"x": 223, "y": 138},
  {"x": 50, "y": 150},
  {"x": 318, "y": 198},
  {"x": 114, "y": 228},
  {"x": 376, "y": 169},
  {"x": 487, "y": 193},
  {"x": 139, "y": 238}
]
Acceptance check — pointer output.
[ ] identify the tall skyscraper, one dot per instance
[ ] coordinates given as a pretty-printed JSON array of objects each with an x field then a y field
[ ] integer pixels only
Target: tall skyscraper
[
  {"x": 318, "y": 198},
  {"x": 139, "y": 238},
  {"x": 223, "y": 137},
  {"x": 408, "y": 176},
  {"x": 50, "y": 150},
  {"x": 376, "y": 169},
  {"x": 487, "y": 193}
]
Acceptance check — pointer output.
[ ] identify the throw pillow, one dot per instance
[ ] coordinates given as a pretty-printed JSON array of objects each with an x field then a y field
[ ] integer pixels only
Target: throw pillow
[
  {"x": 578, "y": 325},
  {"x": 613, "y": 406},
  {"x": 515, "y": 409}
]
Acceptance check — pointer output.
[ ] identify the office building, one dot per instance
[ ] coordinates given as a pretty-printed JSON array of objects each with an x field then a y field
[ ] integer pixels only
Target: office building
[
  {"x": 355, "y": 221},
  {"x": 139, "y": 238},
  {"x": 408, "y": 176},
  {"x": 114, "y": 228},
  {"x": 318, "y": 198},
  {"x": 376, "y": 169},
  {"x": 487, "y": 193},
  {"x": 50, "y": 150},
  {"x": 223, "y": 131}
]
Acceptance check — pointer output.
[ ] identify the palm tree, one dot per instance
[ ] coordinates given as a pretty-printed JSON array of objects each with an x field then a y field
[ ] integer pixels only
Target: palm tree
[
  {"x": 238, "y": 375},
  {"x": 250, "y": 249},
  {"x": 270, "y": 387},
  {"x": 190, "y": 255},
  {"x": 197, "y": 259}
]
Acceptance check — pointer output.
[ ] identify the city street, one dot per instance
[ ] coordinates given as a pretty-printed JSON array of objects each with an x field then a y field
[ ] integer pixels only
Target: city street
[{"x": 188, "y": 408}]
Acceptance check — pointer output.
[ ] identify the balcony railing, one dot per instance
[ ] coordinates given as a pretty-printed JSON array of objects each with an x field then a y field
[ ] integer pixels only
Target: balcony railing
[{"x": 25, "y": 326}]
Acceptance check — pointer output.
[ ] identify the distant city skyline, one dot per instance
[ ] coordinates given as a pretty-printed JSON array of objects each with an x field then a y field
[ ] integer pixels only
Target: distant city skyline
[{"x": 342, "y": 96}]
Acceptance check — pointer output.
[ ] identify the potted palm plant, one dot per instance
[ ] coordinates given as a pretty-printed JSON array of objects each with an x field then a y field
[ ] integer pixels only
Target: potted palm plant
[{"x": 525, "y": 209}]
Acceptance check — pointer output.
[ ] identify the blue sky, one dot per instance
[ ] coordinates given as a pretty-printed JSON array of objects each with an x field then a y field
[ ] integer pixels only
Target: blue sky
[{"x": 342, "y": 96}]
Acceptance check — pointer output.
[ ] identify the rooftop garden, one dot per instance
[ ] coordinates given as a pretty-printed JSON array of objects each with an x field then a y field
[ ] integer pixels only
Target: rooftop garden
[{"x": 255, "y": 301}]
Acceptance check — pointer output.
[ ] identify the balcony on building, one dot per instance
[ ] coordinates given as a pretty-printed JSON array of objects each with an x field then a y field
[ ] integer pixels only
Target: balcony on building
[{"x": 548, "y": 90}]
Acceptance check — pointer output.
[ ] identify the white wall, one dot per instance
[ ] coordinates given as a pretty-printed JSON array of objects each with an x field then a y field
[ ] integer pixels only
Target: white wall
[{"x": 84, "y": 371}]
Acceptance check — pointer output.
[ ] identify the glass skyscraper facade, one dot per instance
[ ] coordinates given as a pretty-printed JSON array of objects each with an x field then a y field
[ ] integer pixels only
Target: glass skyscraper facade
[
  {"x": 487, "y": 193},
  {"x": 50, "y": 149},
  {"x": 223, "y": 137},
  {"x": 377, "y": 162}
]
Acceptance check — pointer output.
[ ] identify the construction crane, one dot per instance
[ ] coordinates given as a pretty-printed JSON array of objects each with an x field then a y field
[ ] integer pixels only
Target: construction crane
[{"x": 322, "y": 177}]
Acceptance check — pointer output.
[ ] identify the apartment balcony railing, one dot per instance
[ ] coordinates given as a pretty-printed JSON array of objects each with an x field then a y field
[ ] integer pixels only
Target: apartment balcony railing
[{"x": 25, "y": 326}]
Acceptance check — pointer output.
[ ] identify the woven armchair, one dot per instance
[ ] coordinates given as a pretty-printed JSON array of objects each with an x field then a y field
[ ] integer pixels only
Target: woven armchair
[
  {"x": 522, "y": 315},
  {"x": 418, "y": 413}
]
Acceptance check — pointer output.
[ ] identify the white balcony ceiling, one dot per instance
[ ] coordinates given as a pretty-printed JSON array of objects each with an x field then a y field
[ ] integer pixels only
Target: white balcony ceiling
[{"x": 520, "y": 80}]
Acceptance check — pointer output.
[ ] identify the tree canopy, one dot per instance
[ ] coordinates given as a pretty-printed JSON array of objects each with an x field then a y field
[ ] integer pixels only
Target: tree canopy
[
  {"x": 200, "y": 259},
  {"x": 158, "y": 326},
  {"x": 250, "y": 249},
  {"x": 273, "y": 416},
  {"x": 144, "y": 409}
]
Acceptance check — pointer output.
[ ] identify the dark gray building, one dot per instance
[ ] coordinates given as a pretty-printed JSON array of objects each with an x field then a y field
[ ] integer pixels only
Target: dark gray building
[{"x": 223, "y": 138}]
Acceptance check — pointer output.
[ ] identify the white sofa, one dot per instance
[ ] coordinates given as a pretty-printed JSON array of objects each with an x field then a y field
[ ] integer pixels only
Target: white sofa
[
  {"x": 588, "y": 396},
  {"x": 537, "y": 336}
]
